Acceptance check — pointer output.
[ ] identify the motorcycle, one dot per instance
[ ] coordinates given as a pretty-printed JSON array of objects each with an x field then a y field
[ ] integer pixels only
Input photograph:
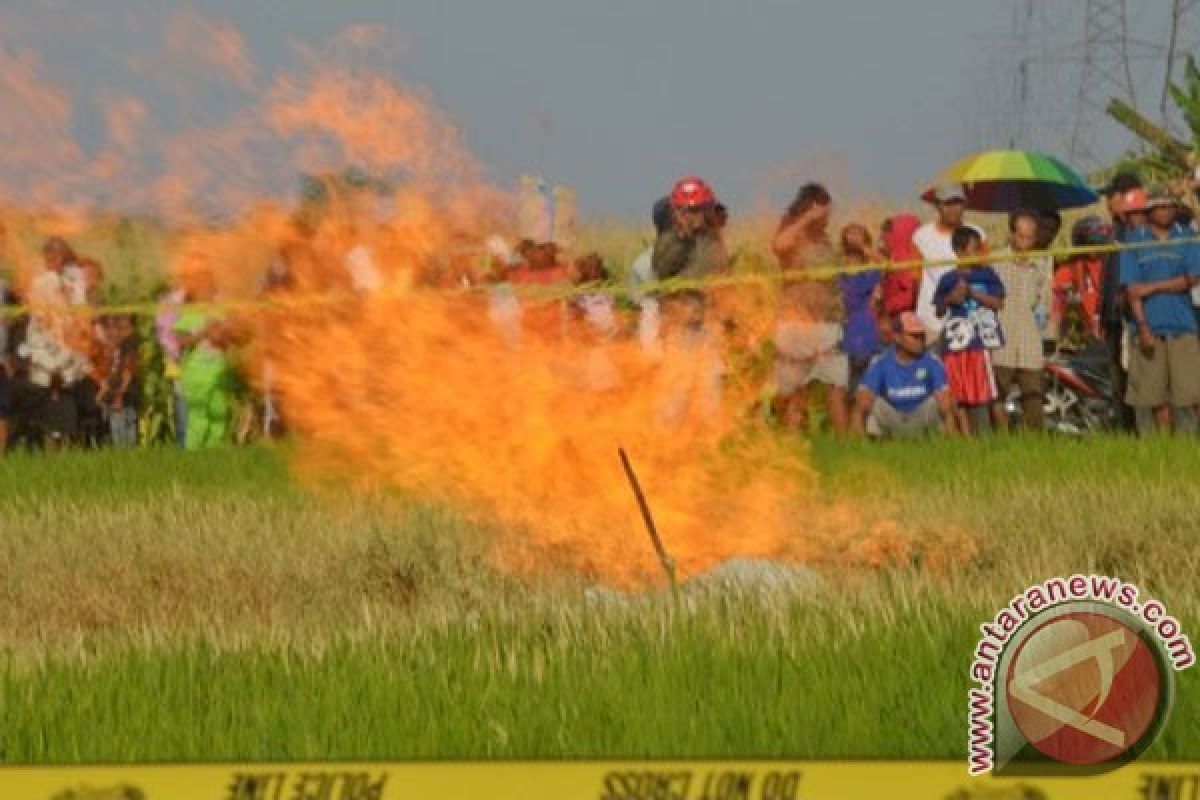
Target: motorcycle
[{"x": 1077, "y": 393}]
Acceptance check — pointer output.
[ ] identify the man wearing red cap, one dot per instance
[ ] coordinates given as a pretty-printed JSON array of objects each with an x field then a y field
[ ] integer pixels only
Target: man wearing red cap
[{"x": 691, "y": 248}]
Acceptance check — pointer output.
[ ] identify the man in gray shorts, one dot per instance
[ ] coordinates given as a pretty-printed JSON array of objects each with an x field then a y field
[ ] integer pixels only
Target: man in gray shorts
[
  {"x": 1164, "y": 367},
  {"x": 904, "y": 392}
]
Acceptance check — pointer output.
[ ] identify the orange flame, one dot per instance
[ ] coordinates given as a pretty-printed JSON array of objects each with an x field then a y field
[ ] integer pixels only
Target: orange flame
[{"x": 389, "y": 377}]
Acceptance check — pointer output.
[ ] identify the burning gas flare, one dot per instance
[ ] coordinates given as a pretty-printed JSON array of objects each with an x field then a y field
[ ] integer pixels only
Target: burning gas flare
[{"x": 398, "y": 363}]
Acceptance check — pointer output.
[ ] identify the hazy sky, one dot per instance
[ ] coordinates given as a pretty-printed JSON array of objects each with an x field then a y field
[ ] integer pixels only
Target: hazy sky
[{"x": 620, "y": 97}]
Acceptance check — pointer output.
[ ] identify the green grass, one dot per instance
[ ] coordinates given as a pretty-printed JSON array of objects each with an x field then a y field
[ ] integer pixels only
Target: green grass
[
  {"x": 161, "y": 605},
  {"x": 736, "y": 680}
]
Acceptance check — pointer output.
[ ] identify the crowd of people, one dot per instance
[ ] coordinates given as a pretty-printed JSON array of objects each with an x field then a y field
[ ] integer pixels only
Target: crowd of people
[
  {"x": 943, "y": 347},
  {"x": 941, "y": 344},
  {"x": 72, "y": 378},
  {"x": 65, "y": 378}
]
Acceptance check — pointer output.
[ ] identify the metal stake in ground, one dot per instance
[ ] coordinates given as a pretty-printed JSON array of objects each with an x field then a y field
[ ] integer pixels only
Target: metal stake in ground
[{"x": 664, "y": 558}]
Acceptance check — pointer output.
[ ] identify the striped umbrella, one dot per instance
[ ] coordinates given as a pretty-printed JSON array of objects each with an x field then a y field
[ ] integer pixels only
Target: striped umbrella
[{"x": 1005, "y": 180}]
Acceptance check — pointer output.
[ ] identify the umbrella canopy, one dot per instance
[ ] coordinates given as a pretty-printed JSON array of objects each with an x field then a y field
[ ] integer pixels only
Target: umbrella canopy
[{"x": 1005, "y": 180}]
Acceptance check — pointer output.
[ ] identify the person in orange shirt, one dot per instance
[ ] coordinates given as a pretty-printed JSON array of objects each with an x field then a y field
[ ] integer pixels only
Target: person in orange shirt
[{"x": 1081, "y": 277}]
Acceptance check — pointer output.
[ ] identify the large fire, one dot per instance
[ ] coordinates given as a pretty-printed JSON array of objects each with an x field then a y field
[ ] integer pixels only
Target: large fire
[{"x": 397, "y": 353}]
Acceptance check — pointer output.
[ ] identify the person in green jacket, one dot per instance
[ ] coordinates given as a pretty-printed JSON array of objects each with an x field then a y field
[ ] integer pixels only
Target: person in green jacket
[{"x": 206, "y": 378}]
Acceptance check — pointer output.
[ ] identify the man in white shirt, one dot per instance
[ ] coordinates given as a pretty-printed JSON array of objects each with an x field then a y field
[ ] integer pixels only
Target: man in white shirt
[{"x": 933, "y": 241}]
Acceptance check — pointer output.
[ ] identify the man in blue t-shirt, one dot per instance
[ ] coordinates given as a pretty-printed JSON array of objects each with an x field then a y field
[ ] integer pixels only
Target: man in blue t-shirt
[
  {"x": 904, "y": 392},
  {"x": 1157, "y": 276}
]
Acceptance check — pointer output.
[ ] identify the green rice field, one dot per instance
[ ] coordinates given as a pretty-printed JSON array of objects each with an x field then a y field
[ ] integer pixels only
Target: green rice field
[{"x": 158, "y": 605}]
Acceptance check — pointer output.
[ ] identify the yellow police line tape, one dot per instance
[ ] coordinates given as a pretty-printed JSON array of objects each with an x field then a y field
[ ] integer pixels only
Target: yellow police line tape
[
  {"x": 664, "y": 286},
  {"x": 615, "y": 780}
]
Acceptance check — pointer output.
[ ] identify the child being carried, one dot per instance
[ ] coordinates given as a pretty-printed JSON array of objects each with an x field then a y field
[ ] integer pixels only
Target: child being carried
[{"x": 968, "y": 298}]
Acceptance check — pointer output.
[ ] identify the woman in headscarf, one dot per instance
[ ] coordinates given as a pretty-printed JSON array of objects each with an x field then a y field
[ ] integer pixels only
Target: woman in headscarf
[{"x": 900, "y": 286}]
